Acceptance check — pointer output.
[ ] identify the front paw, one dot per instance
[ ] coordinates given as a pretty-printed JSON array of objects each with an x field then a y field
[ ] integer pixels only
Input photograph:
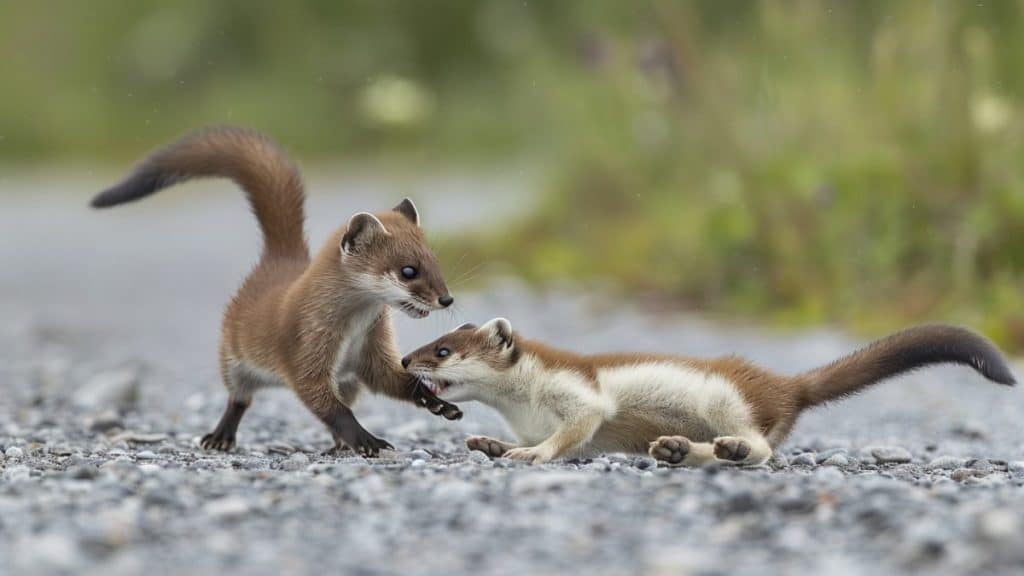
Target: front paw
[
  {"x": 367, "y": 445},
  {"x": 532, "y": 455},
  {"x": 427, "y": 399}
]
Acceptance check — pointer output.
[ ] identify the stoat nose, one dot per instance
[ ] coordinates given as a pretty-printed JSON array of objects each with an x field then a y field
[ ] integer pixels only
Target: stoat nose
[
  {"x": 446, "y": 300},
  {"x": 406, "y": 361}
]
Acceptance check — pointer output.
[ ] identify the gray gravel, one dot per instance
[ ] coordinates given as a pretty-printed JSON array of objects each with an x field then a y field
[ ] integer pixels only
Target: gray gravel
[{"x": 108, "y": 377}]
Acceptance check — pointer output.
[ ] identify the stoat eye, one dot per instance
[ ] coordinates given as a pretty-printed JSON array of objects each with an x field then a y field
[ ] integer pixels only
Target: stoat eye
[
  {"x": 408, "y": 272},
  {"x": 442, "y": 352}
]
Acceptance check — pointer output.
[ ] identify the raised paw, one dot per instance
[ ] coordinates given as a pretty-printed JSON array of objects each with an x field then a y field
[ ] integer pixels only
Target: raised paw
[
  {"x": 214, "y": 441},
  {"x": 671, "y": 450},
  {"x": 732, "y": 448},
  {"x": 532, "y": 455},
  {"x": 490, "y": 446},
  {"x": 423, "y": 396}
]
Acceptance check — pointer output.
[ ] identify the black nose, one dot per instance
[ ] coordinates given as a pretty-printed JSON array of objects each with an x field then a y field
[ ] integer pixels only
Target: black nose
[
  {"x": 445, "y": 300},
  {"x": 406, "y": 361}
]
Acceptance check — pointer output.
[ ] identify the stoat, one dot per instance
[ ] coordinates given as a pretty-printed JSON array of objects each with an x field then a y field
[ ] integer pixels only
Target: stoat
[
  {"x": 682, "y": 411},
  {"x": 321, "y": 325}
]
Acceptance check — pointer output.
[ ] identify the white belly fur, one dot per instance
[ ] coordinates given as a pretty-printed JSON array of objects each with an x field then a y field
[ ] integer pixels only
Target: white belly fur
[{"x": 673, "y": 399}]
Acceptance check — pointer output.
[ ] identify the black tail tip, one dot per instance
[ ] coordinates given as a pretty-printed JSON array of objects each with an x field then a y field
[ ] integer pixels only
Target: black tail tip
[
  {"x": 102, "y": 200},
  {"x": 998, "y": 371}
]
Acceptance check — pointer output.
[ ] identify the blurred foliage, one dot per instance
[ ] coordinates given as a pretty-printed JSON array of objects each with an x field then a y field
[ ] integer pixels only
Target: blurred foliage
[{"x": 811, "y": 161}]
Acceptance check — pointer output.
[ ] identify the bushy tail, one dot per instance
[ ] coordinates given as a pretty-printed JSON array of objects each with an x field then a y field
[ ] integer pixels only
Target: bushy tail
[
  {"x": 900, "y": 353},
  {"x": 269, "y": 178}
]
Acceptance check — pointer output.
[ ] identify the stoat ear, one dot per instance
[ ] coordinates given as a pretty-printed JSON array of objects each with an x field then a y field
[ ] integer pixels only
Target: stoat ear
[
  {"x": 466, "y": 326},
  {"x": 500, "y": 331},
  {"x": 408, "y": 209},
  {"x": 361, "y": 228}
]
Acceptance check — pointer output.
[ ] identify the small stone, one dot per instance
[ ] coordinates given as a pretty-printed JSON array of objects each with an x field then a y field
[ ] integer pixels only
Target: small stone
[
  {"x": 138, "y": 438},
  {"x": 828, "y": 475},
  {"x": 778, "y": 461},
  {"x": 113, "y": 389},
  {"x": 420, "y": 455},
  {"x": 60, "y": 450},
  {"x": 945, "y": 463},
  {"x": 821, "y": 457},
  {"x": 962, "y": 474},
  {"x": 14, "y": 452},
  {"x": 839, "y": 460},
  {"x": 645, "y": 463},
  {"x": 971, "y": 429},
  {"x": 890, "y": 454},
  {"x": 998, "y": 525},
  {"x": 297, "y": 461},
  {"x": 479, "y": 457},
  {"x": 803, "y": 459},
  {"x": 17, "y": 473},
  {"x": 228, "y": 507},
  {"x": 82, "y": 472},
  {"x": 104, "y": 421},
  {"x": 280, "y": 448},
  {"x": 149, "y": 468},
  {"x": 146, "y": 455},
  {"x": 980, "y": 464},
  {"x": 1016, "y": 467},
  {"x": 417, "y": 464}
]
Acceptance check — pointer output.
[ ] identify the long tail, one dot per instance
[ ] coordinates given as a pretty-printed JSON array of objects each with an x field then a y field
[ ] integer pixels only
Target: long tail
[
  {"x": 269, "y": 178},
  {"x": 899, "y": 353}
]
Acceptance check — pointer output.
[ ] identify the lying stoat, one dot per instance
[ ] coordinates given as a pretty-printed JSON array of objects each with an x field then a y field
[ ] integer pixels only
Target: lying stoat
[
  {"x": 320, "y": 326},
  {"x": 683, "y": 411}
]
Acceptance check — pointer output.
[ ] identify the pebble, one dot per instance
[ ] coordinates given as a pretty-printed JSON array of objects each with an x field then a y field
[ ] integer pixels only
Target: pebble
[
  {"x": 146, "y": 455},
  {"x": 14, "y": 452},
  {"x": 228, "y": 507},
  {"x": 889, "y": 454},
  {"x": 821, "y": 457},
  {"x": 839, "y": 460},
  {"x": 296, "y": 461},
  {"x": 478, "y": 457},
  {"x": 420, "y": 455},
  {"x": 1016, "y": 467},
  {"x": 945, "y": 463},
  {"x": 803, "y": 459}
]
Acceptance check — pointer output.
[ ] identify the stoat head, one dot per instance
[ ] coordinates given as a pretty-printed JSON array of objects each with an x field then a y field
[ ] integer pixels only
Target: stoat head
[
  {"x": 468, "y": 361},
  {"x": 387, "y": 257}
]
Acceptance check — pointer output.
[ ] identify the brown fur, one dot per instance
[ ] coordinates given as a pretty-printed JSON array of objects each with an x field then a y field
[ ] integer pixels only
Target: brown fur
[
  {"x": 293, "y": 314},
  {"x": 775, "y": 401}
]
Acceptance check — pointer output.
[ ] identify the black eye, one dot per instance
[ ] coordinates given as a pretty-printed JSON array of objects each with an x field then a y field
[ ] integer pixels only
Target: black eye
[
  {"x": 409, "y": 272},
  {"x": 441, "y": 353}
]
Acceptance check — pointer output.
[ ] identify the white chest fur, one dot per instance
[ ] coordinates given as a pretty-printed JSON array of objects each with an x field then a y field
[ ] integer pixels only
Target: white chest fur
[
  {"x": 535, "y": 400},
  {"x": 348, "y": 359}
]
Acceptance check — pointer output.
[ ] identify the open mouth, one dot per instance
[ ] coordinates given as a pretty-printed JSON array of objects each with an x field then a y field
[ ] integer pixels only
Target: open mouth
[
  {"x": 413, "y": 309},
  {"x": 436, "y": 386}
]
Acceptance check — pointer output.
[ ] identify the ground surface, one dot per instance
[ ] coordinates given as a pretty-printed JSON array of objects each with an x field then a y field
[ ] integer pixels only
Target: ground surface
[{"x": 107, "y": 379}]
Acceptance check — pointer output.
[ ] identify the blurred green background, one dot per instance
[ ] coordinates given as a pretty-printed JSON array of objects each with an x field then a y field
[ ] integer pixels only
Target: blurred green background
[{"x": 798, "y": 161}]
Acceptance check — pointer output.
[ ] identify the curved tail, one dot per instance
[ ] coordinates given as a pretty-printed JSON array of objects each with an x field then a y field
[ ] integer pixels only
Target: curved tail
[
  {"x": 269, "y": 178},
  {"x": 899, "y": 353}
]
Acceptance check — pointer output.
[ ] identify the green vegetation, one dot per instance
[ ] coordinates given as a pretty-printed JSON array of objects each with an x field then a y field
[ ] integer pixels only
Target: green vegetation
[{"x": 858, "y": 162}]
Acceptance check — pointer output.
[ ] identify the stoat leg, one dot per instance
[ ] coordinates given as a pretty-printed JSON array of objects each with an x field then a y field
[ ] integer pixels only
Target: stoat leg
[
  {"x": 746, "y": 450},
  {"x": 681, "y": 451},
  {"x": 490, "y": 446}
]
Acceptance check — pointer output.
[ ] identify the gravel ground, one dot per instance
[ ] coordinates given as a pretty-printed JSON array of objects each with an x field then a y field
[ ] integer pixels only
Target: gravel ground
[{"x": 108, "y": 377}]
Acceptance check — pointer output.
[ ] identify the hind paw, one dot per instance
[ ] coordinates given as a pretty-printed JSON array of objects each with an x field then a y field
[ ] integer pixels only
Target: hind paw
[
  {"x": 671, "y": 450},
  {"x": 490, "y": 446},
  {"x": 731, "y": 448}
]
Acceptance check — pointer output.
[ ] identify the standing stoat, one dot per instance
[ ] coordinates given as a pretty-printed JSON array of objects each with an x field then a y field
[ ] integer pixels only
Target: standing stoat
[
  {"x": 320, "y": 326},
  {"x": 683, "y": 411}
]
